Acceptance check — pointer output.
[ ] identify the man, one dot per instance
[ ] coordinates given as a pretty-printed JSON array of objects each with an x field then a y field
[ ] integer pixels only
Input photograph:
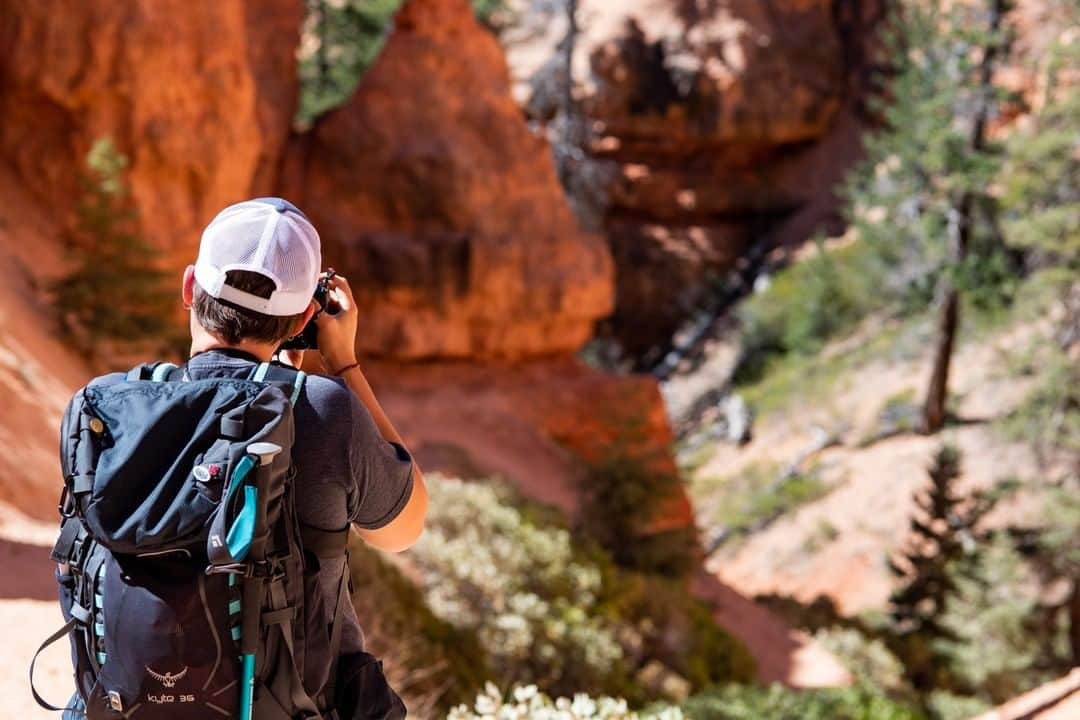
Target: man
[{"x": 251, "y": 289}]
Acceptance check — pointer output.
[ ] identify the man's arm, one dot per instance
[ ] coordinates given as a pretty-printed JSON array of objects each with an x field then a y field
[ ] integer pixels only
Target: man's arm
[{"x": 337, "y": 338}]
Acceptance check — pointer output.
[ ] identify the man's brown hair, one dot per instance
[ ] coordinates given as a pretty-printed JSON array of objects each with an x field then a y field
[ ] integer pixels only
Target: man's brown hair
[{"x": 234, "y": 324}]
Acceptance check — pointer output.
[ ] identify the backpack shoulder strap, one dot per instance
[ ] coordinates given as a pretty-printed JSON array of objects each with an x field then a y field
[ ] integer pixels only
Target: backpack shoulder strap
[
  {"x": 155, "y": 371},
  {"x": 162, "y": 371},
  {"x": 280, "y": 374}
]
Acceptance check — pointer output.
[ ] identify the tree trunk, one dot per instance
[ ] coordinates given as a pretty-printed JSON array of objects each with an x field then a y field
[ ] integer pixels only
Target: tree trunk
[
  {"x": 934, "y": 409},
  {"x": 1074, "y": 623},
  {"x": 572, "y": 30}
]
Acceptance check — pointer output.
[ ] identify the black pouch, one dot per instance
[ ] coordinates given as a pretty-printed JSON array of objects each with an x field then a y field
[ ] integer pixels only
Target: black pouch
[{"x": 363, "y": 692}]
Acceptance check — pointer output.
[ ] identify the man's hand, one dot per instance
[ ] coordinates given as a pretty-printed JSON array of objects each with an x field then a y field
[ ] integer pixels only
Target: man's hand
[{"x": 337, "y": 332}]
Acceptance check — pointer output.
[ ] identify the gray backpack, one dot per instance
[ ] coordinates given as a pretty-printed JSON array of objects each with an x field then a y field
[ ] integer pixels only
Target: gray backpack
[{"x": 192, "y": 588}]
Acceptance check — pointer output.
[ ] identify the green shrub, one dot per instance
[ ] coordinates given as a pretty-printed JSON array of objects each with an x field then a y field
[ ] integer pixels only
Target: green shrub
[
  {"x": 943, "y": 705},
  {"x": 621, "y": 499},
  {"x": 674, "y": 628},
  {"x": 1048, "y": 418},
  {"x": 561, "y": 615},
  {"x": 809, "y": 303},
  {"x": 753, "y": 498},
  {"x": 519, "y": 587},
  {"x": 867, "y": 658},
  {"x": 992, "y": 645},
  {"x": 528, "y": 702},
  {"x": 747, "y": 702},
  {"x": 1041, "y": 199}
]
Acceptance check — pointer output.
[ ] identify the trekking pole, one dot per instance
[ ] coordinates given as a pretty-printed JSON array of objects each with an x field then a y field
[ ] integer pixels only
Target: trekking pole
[{"x": 251, "y": 603}]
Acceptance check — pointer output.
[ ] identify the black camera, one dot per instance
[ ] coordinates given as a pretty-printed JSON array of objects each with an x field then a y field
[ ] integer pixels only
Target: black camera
[{"x": 308, "y": 338}]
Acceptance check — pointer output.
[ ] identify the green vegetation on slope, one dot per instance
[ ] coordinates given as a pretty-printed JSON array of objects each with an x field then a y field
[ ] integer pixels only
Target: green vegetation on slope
[
  {"x": 548, "y": 611},
  {"x": 621, "y": 498},
  {"x": 114, "y": 291},
  {"x": 813, "y": 301},
  {"x": 746, "y": 502},
  {"x": 778, "y": 703}
]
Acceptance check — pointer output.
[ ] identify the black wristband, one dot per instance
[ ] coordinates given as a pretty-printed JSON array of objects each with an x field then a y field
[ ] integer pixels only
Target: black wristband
[{"x": 346, "y": 369}]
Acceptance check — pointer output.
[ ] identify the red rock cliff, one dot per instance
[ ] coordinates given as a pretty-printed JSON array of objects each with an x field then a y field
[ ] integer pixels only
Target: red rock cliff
[
  {"x": 431, "y": 192},
  {"x": 444, "y": 210},
  {"x": 199, "y": 95},
  {"x": 726, "y": 125}
]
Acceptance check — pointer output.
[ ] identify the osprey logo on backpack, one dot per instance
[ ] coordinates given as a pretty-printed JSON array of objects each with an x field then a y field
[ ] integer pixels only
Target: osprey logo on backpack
[{"x": 168, "y": 679}]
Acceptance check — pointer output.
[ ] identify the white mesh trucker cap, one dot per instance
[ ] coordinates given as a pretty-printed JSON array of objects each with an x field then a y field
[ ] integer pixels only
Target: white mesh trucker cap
[{"x": 269, "y": 236}]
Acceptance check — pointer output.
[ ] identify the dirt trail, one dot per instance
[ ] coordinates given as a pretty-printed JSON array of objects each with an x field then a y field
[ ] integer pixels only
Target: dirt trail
[
  {"x": 29, "y": 613},
  {"x": 783, "y": 655}
]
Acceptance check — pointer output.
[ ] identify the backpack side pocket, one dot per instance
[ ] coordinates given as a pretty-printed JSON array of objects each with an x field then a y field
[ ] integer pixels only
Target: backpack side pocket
[{"x": 363, "y": 692}]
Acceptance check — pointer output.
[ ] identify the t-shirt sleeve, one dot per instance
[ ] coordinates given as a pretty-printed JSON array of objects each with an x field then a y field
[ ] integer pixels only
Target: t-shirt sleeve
[{"x": 381, "y": 471}]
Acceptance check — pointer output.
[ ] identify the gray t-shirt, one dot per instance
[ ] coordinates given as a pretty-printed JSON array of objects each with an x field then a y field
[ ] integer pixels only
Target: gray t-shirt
[{"x": 346, "y": 471}]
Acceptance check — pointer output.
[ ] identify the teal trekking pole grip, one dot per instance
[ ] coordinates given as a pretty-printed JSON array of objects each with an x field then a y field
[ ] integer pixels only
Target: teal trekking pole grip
[{"x": 251, "y": 600}]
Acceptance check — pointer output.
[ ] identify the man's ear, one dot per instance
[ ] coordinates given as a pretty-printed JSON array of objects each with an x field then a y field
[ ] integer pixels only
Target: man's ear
[
  {"x": 302, "y": 322},
  {"x": 187, "y": 290}
]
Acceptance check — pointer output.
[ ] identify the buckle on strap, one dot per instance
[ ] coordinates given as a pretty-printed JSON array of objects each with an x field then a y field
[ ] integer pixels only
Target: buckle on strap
[
  {"x": 262, "y": 568},
  {"x": 276, "y": 617},
  {"x": 80, "y": 614},
  {"x": 69, "y": 543},
  {"x": 66, "y": 505}
]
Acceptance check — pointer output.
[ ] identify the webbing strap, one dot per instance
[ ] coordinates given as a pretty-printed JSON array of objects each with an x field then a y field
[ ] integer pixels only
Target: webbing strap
[
  {"x": 330, "y": 690},
  {"x": 279, "y": 373},
  {"x": 299, "y": 698},
  {"x": 298, "y": 383},
  {"x": 260, "y": 372},
  {"x": 274, "y": 617},
  {"x": 68, "y": 627}
]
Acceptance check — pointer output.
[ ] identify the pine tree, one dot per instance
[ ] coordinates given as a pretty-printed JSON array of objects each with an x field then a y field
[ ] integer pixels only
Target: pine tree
[
  {"x": 923, "y": 194},
  {"x": 115, "y": 291},
  {"x": 944, "y": 534},
  {"x": 341, "y": 39},
  {"x": 1041, "y": 200}
]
